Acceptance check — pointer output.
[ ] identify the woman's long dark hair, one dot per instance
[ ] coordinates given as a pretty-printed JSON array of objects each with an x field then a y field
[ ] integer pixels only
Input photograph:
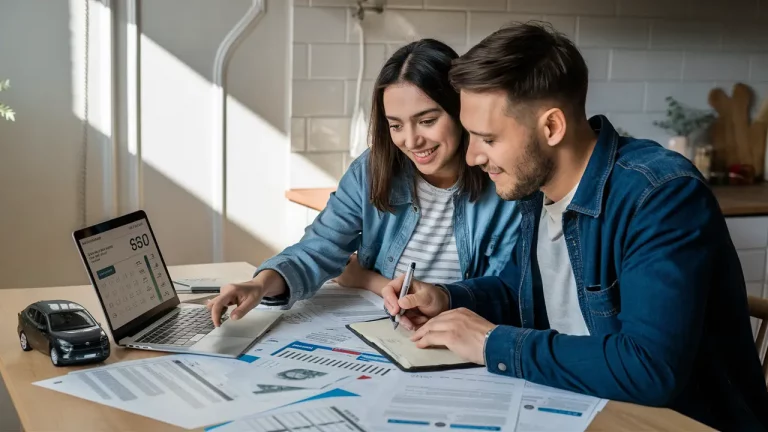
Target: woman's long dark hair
[{"x": 425, "y": 64}]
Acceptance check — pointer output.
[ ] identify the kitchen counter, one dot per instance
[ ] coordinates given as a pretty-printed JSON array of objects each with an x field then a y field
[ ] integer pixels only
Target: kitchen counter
[
  {"x": 749, "y": 200},
  {"x": 734, "y": 200},
  {"x": 312, "y": 198}
]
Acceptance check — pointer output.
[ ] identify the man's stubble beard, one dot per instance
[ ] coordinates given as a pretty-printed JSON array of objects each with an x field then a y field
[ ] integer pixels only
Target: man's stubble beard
[{"x": 534, "y": 171}]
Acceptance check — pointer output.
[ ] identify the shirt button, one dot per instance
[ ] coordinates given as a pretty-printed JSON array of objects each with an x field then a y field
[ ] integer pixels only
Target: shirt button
[
  {"x": 389, "y": 259},
  {"x": 502, "y": 367}
]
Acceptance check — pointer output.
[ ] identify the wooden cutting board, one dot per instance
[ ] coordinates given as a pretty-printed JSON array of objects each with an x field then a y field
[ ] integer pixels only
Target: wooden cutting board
[
  {"x": 723, "y": 140},
  {"x": 740, "y": 105},
  {"x": 759, "y": 137}
]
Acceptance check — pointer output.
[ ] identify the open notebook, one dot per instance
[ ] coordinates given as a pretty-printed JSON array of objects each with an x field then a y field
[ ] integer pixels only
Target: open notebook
[{"x": 396, "y": 345}]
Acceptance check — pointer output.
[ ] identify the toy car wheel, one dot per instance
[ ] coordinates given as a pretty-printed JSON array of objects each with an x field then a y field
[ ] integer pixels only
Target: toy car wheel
[
  {"x": 54, "y": 356},
  {"x": 24, "y": 342}
]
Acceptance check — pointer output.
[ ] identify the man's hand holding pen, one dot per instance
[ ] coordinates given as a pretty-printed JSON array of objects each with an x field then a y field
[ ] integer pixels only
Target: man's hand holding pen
[{"x": 426, "y": 311}]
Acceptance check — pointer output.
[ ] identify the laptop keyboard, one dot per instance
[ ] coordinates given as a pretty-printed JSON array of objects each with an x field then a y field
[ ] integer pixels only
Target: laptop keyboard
[{"x": 183, "y": 329}]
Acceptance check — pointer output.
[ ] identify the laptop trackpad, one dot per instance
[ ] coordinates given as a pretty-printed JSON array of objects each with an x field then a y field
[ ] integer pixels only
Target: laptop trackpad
[
  {"x": 254, "y": 324},
  {"x": 231, "y": 346}
]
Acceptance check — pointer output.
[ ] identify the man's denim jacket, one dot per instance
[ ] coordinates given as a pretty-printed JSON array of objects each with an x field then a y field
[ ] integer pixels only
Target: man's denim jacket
[
  {"x": 485, "y": 232},
  {"x": 659, "y": 285}
]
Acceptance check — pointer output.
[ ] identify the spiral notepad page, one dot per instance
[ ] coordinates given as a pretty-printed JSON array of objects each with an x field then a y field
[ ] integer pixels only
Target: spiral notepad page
[{"x": 398, "y": 347}]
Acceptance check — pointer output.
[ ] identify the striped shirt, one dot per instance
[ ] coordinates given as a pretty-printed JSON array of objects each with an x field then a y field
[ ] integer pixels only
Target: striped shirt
[{"x": 433, "y": 246}]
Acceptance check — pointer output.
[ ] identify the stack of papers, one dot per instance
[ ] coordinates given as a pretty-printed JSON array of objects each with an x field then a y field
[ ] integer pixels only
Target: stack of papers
[{"x": 311, "y": 373}]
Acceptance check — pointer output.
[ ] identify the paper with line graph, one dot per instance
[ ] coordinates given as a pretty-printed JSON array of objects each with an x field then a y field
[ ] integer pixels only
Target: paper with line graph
[{"x": 182, "y": 390}]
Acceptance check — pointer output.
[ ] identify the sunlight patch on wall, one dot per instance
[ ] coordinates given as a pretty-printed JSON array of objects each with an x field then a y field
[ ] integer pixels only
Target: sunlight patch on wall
[
  {"x": 175, "y": 120},
  {"x": 256, "y": 174}
]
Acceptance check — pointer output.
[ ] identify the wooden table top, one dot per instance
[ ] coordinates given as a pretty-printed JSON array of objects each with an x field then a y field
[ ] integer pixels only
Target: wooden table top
[
  {"x": 41, "y": 409},
  {"x": 734, "y": 200}
]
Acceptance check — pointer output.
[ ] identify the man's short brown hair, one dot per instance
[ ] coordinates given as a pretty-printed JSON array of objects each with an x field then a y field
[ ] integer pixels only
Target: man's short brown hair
[{"x": 529, "y": 61}]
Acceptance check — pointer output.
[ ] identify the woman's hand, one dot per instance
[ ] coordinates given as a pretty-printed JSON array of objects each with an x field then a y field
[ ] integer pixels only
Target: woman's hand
[
  {"x": 356, "y": 276},
  {"x": 423, "y": 301}
]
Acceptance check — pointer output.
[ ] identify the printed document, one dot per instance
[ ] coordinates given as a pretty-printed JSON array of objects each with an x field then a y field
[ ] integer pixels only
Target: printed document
[
  {"x": 449, "y": 401},
  {"x": 549, "y": 409},
  {"x": 362, "y": 363},
  {"x": 282, "y": 372},
  {"x": 324, "y": 415},
  {"x": 345, "y": 305},
  {"x": 183, "y": 390}
]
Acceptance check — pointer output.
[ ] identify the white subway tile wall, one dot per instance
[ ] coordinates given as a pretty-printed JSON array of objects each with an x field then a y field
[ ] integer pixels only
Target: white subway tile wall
[
  {"x": 343, "y": 61},
  {"x": 678, "y": 34},
  {"x": 300, "y": 61},
  {"x": 638, "y": 53},
  {"x": 298, "y": 134},
  {"x": 328, "y": 134}
]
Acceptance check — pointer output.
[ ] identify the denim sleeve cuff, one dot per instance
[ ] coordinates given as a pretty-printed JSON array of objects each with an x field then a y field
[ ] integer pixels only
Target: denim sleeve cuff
[
  {"x": 292, "y": 281},
  {"x": 503, "y": 350},
  {"x": 459, "y": 296}
]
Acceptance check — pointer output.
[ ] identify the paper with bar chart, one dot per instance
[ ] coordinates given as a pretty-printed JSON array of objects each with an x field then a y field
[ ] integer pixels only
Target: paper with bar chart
[
  {"x": 363, "y": 363},
  {"x": 182, "y": 390}
]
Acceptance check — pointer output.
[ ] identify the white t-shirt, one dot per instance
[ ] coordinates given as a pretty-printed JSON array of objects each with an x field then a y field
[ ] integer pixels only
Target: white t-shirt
[
  {"x": 433, "y": 244},
  {"x": 560, "y": 295}
]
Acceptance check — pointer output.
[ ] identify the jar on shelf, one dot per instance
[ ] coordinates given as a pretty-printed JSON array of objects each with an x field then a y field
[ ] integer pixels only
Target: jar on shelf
[{"x": 702, "y": 159}]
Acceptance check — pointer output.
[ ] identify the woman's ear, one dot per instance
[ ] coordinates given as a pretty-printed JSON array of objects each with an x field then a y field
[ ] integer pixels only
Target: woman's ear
[{"x": 553, "y": 124}]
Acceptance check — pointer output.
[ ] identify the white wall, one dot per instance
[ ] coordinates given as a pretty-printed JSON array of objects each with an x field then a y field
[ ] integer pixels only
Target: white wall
[
  {"x": 40, "y": 174},
  {"x": 638, "y": 52},
  {"x": 41, "y": 152},
  {"x": 42, "y": 54},
  {"x": 178, "y": 124}
]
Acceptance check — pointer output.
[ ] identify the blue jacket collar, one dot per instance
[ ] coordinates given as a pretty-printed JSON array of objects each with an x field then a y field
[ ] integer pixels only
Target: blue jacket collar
[
  {"x": 589, "y": 195},
  {"x": 401, "y": 191}
]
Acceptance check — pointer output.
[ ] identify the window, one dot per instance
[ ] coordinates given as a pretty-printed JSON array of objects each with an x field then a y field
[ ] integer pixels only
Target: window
[
  {"x": 40, "y": 318},
  {"x": 36, "y": 316},
  {"x": 71, "y": 320}
]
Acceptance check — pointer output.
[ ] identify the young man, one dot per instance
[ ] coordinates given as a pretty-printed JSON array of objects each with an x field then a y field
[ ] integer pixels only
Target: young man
[{"x": 624, "y": 283}]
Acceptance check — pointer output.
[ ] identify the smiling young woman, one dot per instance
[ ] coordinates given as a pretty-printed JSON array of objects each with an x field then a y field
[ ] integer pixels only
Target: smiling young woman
[{"x": 411, "y": 197}]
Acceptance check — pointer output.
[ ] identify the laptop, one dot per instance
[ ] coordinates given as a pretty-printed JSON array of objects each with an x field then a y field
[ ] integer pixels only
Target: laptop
[{"x": 143, "y": 310}]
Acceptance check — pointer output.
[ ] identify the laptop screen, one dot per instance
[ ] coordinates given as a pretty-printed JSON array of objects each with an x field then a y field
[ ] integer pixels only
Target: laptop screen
[{"x": 127, "y": 271}]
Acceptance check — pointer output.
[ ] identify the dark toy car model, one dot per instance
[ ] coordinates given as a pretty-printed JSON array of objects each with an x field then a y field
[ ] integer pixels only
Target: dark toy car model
[{"x": 64, "y": 330}]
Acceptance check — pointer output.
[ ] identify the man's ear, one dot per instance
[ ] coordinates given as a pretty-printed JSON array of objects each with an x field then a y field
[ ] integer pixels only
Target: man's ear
[{"x": 552, "y": 123}]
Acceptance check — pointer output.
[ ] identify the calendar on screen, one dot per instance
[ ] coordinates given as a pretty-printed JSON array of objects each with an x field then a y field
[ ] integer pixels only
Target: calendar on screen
[{"x": 129, "y": 275}]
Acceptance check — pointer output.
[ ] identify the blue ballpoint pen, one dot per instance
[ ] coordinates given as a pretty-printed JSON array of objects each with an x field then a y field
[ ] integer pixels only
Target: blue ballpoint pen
[{"x": 404, "y": 291}]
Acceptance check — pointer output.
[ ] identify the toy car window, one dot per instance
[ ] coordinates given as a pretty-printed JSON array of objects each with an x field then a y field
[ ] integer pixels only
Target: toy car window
[
  {"x": 40, "y": 318},
  {"x": 70, "y": 320}
]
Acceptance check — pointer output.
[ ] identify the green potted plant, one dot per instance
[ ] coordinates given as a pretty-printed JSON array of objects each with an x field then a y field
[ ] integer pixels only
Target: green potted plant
[
  {"x": 681, "y": 122},
  {"x": 5, "y": 111}
]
